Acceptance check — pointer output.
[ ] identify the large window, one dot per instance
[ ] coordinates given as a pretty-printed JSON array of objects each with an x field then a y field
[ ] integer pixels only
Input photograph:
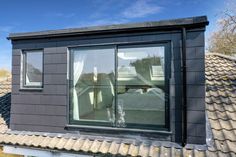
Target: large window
[
  {"x": 32, "y": 68},
  {"x": 119, "y": 86}
]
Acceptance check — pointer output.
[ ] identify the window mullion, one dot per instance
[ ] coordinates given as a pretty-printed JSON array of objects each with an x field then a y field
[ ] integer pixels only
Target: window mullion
[
  {"x": 116, "y": 76},
  {"x": 24, "y": 69}
]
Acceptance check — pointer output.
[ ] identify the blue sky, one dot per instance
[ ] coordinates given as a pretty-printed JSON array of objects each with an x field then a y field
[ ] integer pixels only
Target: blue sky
[{"x": 30, "y": 15}]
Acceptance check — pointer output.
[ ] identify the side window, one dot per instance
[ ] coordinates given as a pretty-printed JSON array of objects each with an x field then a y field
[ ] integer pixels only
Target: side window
[{"x": 32, "y": 66}]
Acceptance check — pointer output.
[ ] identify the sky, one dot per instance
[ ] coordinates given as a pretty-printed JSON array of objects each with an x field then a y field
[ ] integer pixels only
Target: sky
[{"x": 32, "y": 15}]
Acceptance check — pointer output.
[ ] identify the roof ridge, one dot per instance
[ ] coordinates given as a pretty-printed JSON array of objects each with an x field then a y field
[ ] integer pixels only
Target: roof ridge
[{"x": 223, "y": 56}]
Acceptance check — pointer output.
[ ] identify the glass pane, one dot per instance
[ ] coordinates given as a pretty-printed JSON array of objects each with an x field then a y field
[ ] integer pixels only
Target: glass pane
[
  {"x": 93, "y": 80},
  {"x": 34, "y": 68},
  {"x": 141, "y": 85}
]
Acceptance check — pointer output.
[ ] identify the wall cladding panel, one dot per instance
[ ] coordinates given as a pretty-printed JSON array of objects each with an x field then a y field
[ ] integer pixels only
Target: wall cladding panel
[
  {"x": 60, "y": 58},
  {"x": 195, "y": 38},
  {"x": 39, "y": 109},
  {"x": 16, "y": 60},
  {"x": 55, "y": 79},
  {"x": 37, "y": 128},
  {"x": 55, "y": 68},
  {"x": 55, "y": 89},
  {"x": 59, "y": 121}
]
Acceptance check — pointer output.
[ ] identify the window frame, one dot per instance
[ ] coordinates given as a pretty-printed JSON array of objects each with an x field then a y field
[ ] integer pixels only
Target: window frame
[
  {"x": 71, "y": 68},
  {"x": 24, "y": 86},
  {"x": 108, "y": 125}
]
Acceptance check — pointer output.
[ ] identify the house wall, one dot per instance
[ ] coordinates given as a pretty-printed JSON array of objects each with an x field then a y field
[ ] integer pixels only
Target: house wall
[
  {"x": 2, "y": 154},
  {"x": 46, "y": 110}
]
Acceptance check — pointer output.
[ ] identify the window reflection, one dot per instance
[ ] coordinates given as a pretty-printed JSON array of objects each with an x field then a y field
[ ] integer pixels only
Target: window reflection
[
  {"x": 33, "y": 68},
  {"x": 93, "y": 84},
  {"x": 141, "y": 92}
]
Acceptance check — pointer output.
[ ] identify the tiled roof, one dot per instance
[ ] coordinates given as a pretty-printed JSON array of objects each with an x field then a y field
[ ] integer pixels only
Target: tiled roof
[
  {"x": 221, "y": 110},
  {"x": 221, "y": 101},
  {"x": 5, "y": 86},
  {"x": 5, "y": 99},
  {"x": 98, "y": 145},
  {"x": 3, "y": 125}
]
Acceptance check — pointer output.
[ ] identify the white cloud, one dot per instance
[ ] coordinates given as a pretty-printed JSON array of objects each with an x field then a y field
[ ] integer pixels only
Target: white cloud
[
  {"x": 98, "y": 22},
  {"x": 60, "y": 15},
  {"x": 141, "y": 8},
  {"x": 106, "y": 22},
  {"x": 125, "y": 13}
]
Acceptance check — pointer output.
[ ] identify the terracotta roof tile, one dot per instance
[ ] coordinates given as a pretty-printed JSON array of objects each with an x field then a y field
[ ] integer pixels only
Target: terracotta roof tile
[
  {"x": 86, "y": 145},
  {"x": 5, "y": 99},
  {"x": 133, "y": 150},
  {"x": 61, "y": 143},
  {"x": 37, "y": 140},
  {"x": 221, "y": 102},
  {"x": 53, "y": 142},
  {"x": 96, "y": 145},
  {"x": 78, "y": 144},
  {"x": 5, "y": 86},
  {"x": 143, "y": 150},
  {"x": 3, "y": 125},
  {"x": 105, "y": 147}
]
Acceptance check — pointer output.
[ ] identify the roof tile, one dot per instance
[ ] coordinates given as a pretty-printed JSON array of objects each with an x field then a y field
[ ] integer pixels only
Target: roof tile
[
  {"x": 114, "y": 148},
  {"x": 45, "y": 142},
  {"x": 124, "y": 148},
  {"x": 61, "y": 143},
  {"x": 86, "y": 146},
  {"x": 133, "y": 150},
  {"x": 221, "y": 102},
  {"x": 52, "y": 144},
  {"x": 143, "y": 150},
  {"x": 105, "y": 147},
  {"x": 37, "y": 141},
  {"x": 96, "y": 145},
  {"x": 78, "y": 144},
  {"x": 154, "y": 151}
]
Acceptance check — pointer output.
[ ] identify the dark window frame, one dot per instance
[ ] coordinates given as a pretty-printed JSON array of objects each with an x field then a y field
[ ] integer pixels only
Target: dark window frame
[
  {"x": 24, "y": 86},
  {"x": 129, "y": 127}
]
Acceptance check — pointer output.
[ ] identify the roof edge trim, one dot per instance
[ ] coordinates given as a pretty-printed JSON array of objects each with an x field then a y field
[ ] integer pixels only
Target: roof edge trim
[{"x": 173, "y": 23}]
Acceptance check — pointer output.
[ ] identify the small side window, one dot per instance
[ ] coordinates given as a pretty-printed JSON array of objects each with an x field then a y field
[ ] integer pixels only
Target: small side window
[{"x": 32, "y": 69}]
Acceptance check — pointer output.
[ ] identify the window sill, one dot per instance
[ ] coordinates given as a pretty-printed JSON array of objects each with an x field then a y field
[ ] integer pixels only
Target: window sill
[
  {"x": 31, "y": 89},
  {"x": 112, "y": 129}
]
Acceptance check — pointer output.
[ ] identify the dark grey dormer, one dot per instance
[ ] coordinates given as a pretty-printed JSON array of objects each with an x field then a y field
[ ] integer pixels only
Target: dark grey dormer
[{"x": 143, "y": 80}]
